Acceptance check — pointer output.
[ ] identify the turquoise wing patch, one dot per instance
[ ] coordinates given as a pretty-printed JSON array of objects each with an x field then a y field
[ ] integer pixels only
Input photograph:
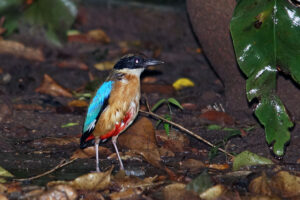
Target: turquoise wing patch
[{"x": 97, "y": 105}]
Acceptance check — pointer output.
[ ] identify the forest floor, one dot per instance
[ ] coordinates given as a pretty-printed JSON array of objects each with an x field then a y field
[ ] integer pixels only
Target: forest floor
[{"x": 36, "y": 134}]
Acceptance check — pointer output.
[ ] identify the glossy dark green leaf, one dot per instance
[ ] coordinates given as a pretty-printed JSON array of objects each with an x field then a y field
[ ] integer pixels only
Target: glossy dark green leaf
[{"x": 265, "y": 36}]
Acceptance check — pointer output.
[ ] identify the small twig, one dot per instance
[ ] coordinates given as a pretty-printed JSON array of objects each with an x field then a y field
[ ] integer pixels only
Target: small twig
[
  {"x": 185, "y": 130},
  {"x": 60, "y": 165}
]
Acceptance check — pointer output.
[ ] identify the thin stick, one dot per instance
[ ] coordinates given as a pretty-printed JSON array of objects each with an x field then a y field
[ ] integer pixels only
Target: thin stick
[
  {"x": 186, "y": 130},
  {"x": 60, "y": 165}
]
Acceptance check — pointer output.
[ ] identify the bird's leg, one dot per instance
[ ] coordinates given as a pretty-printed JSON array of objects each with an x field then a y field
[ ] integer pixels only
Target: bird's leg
[
  {"x": 97, "y": 141},
  {"x": 114, "y": 141}
]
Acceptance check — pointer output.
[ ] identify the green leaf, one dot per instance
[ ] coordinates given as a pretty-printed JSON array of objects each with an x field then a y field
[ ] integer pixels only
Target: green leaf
[
  {"x": 265, "y": 37},
  {"x": 175, "y": 103},
  {"x": 70, "y": 124},
  {"x": 159, "y": 103},
  {"x": 167, "y": 125},
  {"x": 4, "y": 174},
  {"x": 200, "y": 183},
  {"x": 247, "y": 158},
  {"x": 9, "y": 5},
  {"x": 56, "y": 16},
  {"x": 213, "y": 127}
]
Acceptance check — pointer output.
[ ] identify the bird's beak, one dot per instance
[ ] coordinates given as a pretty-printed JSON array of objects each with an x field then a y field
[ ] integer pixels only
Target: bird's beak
[{"x": 151, "y": 62}]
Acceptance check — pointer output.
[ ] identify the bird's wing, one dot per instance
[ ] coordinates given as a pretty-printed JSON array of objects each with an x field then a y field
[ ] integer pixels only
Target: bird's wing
[{"x": 96, "y": 107}]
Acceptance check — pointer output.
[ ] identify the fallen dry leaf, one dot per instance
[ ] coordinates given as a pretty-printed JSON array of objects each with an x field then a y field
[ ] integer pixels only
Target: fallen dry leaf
[
  {"x": 189, "y": 106},
  {"x": 165, "y": 152},
  {"x": 123, "y": 182},
  {"x": 89, "y": 152},
  {"x": 93, "y": 36},
  {"x": 18, "y": 49},
  {"x": 3, "y": 197},
  {"x": 132, "y": 193},
  {"x": 149, "y": 80},
  {"x": 91, "y": 181},
  {"x": 213, "y": 192},
  {"x": 177, "y": 191},
  {"x": 157, "y": 88},
  {"x": 72, "y": 64},
  {"x": 286, "y": 185},
  {"x": 218, "y": 166},
  {"x": 99, "y": 36},
  {"x": 51, "y": 87},
  {"x": 106, "y": 65},
  {"x": 176, "y": 142},
  {"x": 140, "y": 138},
  {"x": 260, "y": 185},
  {"x": 78, "y": 103},
  {"x": 218, "y": 117},
  {"x": 282, "y": 184},
  {"x": 59, "y": 192},
  {"x": 173, "y": 176},
  {"x": 192, "y": 165}
]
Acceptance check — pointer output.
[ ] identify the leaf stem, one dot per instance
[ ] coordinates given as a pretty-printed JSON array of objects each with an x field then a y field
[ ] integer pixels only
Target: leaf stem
[{"x": 186, "y": 130}]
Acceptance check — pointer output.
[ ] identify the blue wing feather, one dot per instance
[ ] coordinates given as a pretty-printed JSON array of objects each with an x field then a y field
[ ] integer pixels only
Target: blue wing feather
[{"x": 96, "y": 107}]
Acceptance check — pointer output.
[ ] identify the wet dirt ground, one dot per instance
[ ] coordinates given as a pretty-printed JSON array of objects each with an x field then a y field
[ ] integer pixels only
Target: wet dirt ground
[{"x": 157, "y": 28}]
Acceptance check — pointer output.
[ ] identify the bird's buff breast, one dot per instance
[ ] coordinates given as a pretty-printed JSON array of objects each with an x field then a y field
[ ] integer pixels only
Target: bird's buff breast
[{"x": 122, "y": 109}]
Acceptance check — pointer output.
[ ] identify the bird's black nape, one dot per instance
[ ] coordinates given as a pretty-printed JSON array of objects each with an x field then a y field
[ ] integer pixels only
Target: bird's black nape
[{"x": 135, "y": 62}]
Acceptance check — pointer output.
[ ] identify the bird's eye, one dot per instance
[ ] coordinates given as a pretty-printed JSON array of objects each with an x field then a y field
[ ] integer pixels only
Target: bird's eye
[{"x": 137, "y": 61}]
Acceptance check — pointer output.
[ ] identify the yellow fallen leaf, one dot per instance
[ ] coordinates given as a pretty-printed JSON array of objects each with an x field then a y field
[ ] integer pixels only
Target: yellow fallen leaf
[
  {"x": 98, "y": 35},
  {"x": 182, "y": 83}
]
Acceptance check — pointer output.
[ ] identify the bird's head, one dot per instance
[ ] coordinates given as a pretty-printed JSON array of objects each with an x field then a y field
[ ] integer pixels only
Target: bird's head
[{"x": 135, "y": 64}]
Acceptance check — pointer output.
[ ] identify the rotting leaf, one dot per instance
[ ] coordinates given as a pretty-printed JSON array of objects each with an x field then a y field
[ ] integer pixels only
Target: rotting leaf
[
  {"x": 182, "y": 83},
  {"x": 218, "y": 117},
  {"x": 19, "y": 50},
  {"x": 178, "y": 191},
  {"x": 192, "y": 165},
  {"x": 247, "y": 158},
  {"x": 59, "y": 192},
  {"x": 51, "y": 87},
  {"x": 200, "y": 183}
]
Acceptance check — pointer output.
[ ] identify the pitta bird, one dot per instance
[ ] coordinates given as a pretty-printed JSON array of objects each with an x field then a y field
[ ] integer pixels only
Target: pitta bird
[{"x": 115, "y": 104}]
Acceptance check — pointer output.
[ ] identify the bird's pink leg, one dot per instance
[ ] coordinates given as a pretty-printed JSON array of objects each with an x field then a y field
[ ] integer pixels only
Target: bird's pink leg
[
  {"x": 114, "y": 141},
  {"x": 97, "y": 141}
]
